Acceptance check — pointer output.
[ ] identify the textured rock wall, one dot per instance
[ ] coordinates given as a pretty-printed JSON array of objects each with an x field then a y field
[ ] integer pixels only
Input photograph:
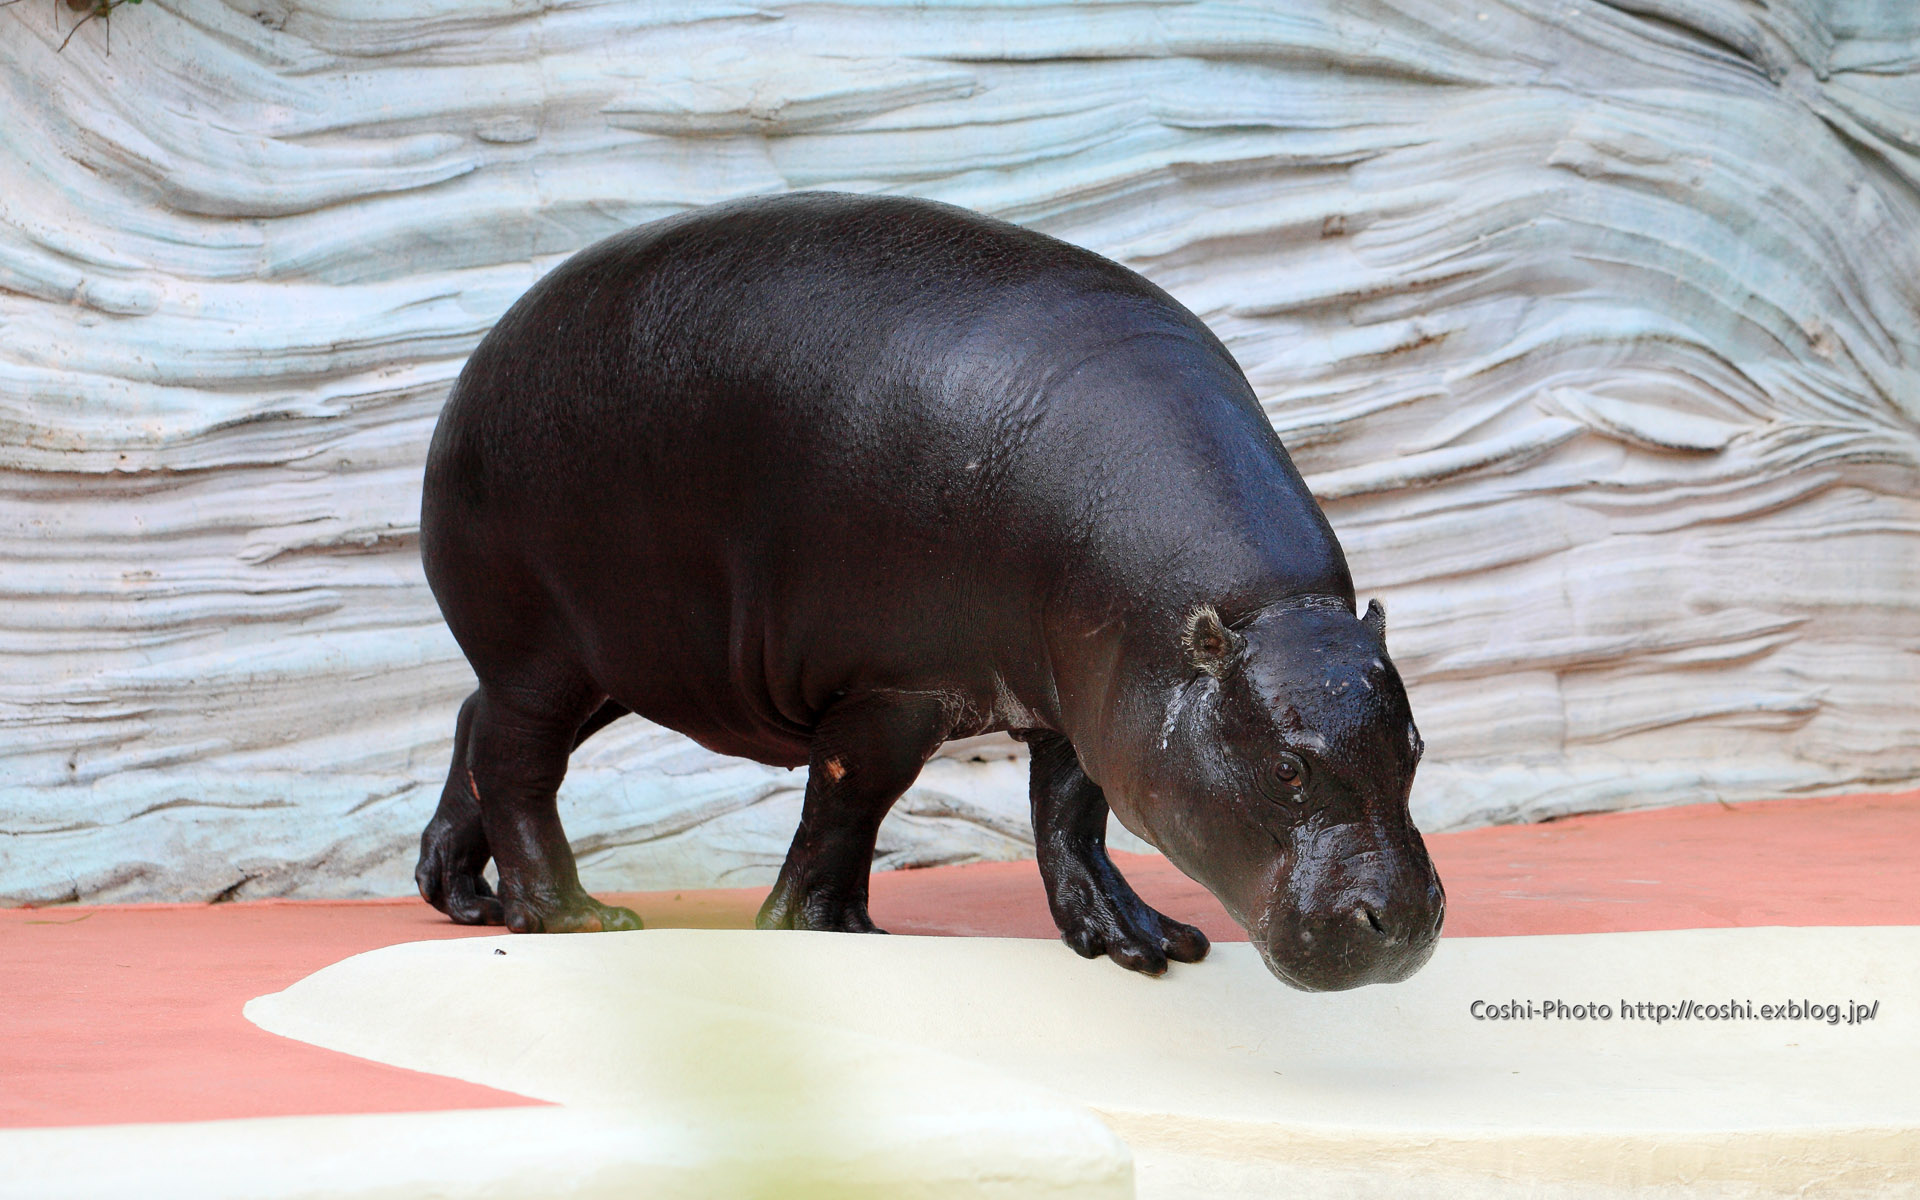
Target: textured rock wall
[{"x": 1595, "y": 325}]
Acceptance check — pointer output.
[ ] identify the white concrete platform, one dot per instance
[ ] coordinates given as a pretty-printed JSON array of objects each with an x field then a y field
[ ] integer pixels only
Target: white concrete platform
[{"x": 727, "y": 1063}]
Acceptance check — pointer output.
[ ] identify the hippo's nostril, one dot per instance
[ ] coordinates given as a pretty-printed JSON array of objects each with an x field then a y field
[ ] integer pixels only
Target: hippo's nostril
[{"x": 1371, "y": 917}]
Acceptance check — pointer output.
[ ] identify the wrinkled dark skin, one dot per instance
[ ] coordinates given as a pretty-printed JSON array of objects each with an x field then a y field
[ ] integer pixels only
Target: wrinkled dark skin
[{"x": 830, "y": 480}]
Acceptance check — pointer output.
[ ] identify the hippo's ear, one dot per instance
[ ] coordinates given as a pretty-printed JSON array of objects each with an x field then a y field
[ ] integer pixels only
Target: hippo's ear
[
  {"x": 1210, "y": 645},
  {"x": 1376, "y": 619}
]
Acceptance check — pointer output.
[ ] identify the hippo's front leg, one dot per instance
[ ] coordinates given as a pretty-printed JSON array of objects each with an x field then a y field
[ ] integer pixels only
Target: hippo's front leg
[
  {"x": 1094, "y": 907},
  {"x": 866, "y": 752}
]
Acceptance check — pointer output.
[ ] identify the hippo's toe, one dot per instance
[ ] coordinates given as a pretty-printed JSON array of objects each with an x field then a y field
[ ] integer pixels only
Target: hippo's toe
[
  {"x": 575, "y": 913},
  {"x": 821, "y": 908},
  {"x": 1137, "y": 937}
]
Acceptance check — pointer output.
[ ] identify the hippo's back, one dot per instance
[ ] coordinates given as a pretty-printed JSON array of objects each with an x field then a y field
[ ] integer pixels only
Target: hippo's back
[
  {"x": 740, "y": 461},
  {"x": 766, "y": 319}
]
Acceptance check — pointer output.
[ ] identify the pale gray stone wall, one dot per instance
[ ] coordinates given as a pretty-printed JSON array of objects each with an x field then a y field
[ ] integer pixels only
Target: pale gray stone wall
[{"x": 1596, "y": 326}]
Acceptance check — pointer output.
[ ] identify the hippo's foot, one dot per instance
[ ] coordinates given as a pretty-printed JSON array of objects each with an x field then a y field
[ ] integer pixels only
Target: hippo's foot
[
  {"x": 453, "y": 853},
  {"x": 822, "y": 908},
  {"x": 568, "y": 912},
  {"x": 1113, "y": 921},
  {"x": 1093, "y": 905}
]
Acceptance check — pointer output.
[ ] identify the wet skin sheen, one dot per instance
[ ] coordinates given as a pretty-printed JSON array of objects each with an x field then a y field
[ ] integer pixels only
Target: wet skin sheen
[{"x": 829, "y": 480}]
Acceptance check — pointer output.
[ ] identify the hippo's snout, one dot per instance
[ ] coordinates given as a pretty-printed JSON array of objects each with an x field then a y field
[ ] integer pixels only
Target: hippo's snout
[{"x": 1362, "y": 918}]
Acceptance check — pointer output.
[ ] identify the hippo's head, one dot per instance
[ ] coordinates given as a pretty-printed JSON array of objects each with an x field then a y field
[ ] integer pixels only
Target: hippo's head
[{"x": 1279, "y": 780}]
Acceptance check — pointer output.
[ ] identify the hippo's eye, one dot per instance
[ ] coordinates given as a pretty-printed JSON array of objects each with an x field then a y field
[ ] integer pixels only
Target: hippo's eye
[{"x": 1291, "y": 774}]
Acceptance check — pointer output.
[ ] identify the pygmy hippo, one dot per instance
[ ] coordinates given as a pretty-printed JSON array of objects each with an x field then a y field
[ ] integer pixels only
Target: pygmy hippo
[{"x": 830, "y": 480}]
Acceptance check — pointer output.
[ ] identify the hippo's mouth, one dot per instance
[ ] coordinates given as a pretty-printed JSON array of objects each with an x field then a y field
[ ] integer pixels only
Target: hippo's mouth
[
  {"x": 1337, "y": 964},
  {"x": 1339, "y": 975},
  {"x": 1342, "y": 974},
  {"x": 1280, "y": 971}
]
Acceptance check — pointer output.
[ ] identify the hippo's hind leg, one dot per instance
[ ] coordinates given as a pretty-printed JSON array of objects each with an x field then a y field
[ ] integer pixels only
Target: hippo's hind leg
[
  {"x": 510, "y": 755},
  {"x": 865, "y": 754},
  {"x": 1094, "y": 907},
  {"x": 453, "y": 848}
]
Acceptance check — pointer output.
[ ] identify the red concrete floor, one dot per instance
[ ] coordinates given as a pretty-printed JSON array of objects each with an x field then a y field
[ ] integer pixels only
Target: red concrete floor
[{"x": 120, "y": 1013}]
